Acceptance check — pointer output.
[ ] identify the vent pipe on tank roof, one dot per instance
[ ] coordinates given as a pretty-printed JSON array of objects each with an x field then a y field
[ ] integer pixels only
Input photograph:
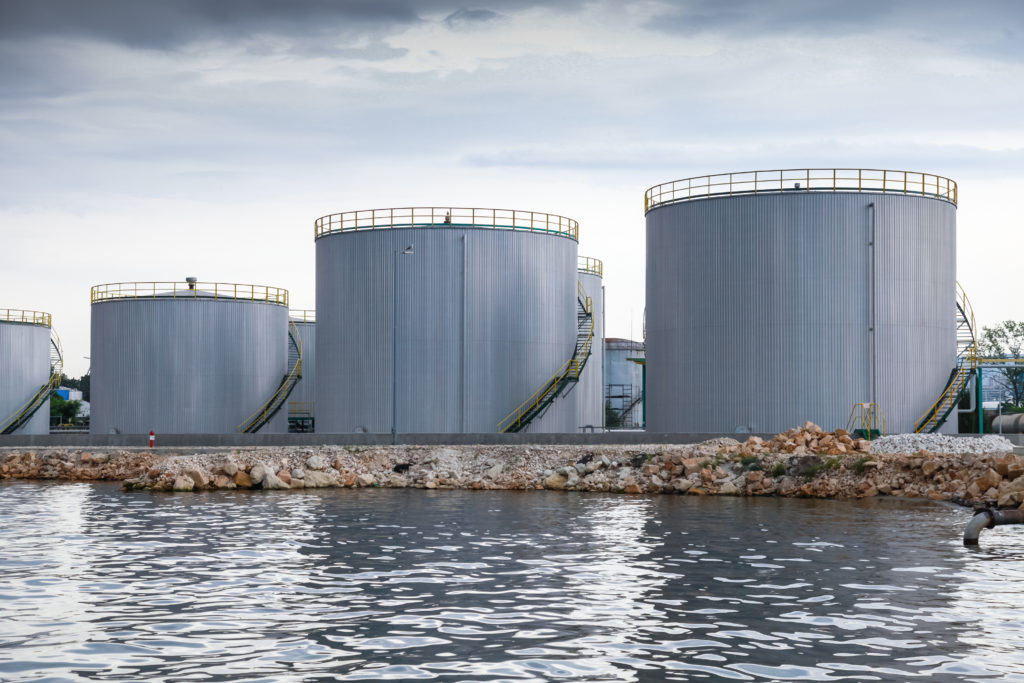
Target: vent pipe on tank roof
[{"x": 191, "y": 282}]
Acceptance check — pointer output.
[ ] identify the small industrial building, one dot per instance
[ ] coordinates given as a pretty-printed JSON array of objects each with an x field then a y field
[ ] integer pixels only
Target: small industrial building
[
  {"x": 777, "y": 297},
  {"x": 447, "y": 319},
  {"x": 30, "y": 367},
  {"x": 190, "y": 358}
]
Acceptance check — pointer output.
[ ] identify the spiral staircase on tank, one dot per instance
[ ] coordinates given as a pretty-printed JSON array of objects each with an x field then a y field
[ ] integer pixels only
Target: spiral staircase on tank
[
  {"x": 42, "y": 396},
  {"x": 959, "y": 383},
  {"x": 567, "y": 376},
  {"x": 268, "y": 410}
]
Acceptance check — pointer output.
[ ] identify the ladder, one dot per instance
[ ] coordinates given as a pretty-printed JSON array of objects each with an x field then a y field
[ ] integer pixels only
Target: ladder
[
  {"x": 565, "y": 378},
  {"x": 268, "y": 410},
  {"x": 42, "y": 395},
  {"x": 963, "y": 373}
]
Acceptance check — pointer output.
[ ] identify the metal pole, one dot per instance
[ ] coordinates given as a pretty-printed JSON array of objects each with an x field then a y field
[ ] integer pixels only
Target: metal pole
[
  {"x": 394, "y": 351},
  {"x": 981, "y": 408},
  {"x": 871, "y": 303}
]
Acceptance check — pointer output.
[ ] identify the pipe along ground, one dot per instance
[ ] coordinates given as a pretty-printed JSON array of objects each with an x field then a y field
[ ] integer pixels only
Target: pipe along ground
[{"x": 986, "y": 519}]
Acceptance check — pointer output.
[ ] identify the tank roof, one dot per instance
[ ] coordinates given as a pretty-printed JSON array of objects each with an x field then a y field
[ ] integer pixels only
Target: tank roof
[
  {"x": 587, "y": 264},
  {"x": 302, "y": 315},
  {"x": 17, "y": 315},
  {"x": 446, "y": 217},
  {"x": 623, "y": 344},
  {"x": 188, "y": 290},
  {"x": 801, "y": 180}
]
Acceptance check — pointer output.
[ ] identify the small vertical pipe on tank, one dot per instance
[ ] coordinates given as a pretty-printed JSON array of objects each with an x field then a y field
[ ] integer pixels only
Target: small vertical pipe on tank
[
  {"x": 604, "y": 377},
  {"x": 462, "y": 346},
  {"x": 871, "y": 300}
]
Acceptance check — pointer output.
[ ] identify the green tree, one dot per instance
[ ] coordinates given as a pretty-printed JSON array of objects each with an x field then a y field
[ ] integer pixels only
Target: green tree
[
  {"x": 612, "y": 417},
  {"x": 1006, "y": 340},
  {"x": 61, "y": 411}
]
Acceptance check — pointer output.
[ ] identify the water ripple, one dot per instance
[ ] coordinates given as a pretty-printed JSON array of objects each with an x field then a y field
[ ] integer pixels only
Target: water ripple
[{"x": 97, "y": 584}]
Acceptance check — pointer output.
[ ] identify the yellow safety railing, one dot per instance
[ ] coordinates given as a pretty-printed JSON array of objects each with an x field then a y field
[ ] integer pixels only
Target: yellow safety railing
[
  {"x": 586, "y": 264},
  {"x": 868, "y": 418},
  {"x": 569, "y": 370},
  {"x": 188, "y": 290},
  {"x": 300, "y": 408},
  {"x": 16, "y": 315},
  {"x": 302, "y": 316},
  {"x": 266, "y": 411},
  {"x": 446, "y": 217},
  {"x": 967, "y": 340},
  {"x": 966, "y": 366},
  {"x": 801, "y": 180}
]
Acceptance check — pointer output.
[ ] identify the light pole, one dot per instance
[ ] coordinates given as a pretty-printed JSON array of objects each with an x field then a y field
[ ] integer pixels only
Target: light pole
[{"x": 408, "y": 251}]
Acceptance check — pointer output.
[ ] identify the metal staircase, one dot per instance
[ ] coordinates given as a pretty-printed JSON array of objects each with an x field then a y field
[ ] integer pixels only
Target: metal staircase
[
  {"x": 42, "y": 396},
  {"x": 269, "y": 409},
  {"x": 563, "y": 381},
  {"x": 960, "y": 377}
]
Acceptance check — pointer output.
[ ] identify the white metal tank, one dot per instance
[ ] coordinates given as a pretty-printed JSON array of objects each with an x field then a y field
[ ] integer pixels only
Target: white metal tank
[
  {"x": 188, "y": 358},
  {"x": 590, "y": 391},
  {"x": 435, "y": 320},
  {"x": 28, "y": 371},
  {"x": 777, "y": 297}
]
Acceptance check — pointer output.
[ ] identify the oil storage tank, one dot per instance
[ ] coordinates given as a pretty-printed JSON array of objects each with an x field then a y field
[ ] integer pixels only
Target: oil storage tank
[
  {"x": 30, "y": 367},
  {"x": 776, "y": 297},
  {"x": 624, "y": 383},
  {"x": 442, "y": 320},
  {"x": 190, "y": 358},
  {"x": 590, "y": 391},
  {"x": 302, "y": 401}
]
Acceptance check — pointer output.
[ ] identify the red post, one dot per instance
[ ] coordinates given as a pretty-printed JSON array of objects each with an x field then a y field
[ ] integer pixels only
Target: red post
[{"x": 152, "y": 438}]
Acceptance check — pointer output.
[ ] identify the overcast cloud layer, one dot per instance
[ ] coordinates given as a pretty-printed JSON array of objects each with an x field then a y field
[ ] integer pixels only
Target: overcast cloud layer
[{"x": 153, "y": 140}]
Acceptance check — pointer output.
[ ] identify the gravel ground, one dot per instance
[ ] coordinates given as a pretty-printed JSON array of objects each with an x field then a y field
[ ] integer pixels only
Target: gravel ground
[{"x": 942, "y": 443}]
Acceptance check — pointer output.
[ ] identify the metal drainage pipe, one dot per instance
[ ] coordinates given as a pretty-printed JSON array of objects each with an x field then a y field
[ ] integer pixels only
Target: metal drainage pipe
[{"x": 986, "y": 519}]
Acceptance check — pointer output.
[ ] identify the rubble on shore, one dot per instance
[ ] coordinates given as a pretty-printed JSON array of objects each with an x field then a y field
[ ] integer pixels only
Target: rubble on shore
[{"x": 803, "y": 462}]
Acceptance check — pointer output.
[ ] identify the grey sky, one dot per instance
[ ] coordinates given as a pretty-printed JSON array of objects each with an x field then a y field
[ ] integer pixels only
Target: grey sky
[{"x": 149, "y": 140}]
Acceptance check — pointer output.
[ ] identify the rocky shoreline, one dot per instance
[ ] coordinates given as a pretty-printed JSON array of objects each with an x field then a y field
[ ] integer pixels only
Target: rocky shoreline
[{"x": 804, "y": 462}]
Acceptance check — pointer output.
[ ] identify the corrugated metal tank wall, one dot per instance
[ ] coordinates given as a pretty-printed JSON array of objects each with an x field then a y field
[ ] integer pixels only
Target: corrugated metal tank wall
[
  {"x": 624, "y": 380},
  {"x": 305, "y": 391},
  {"x": 24, "y": 368},
  {"x": 184, "y": 365},
  {"x": 590, "y": 391},
  {"x": 485, "y": 317},
  {"x": 758, "y": 309}
]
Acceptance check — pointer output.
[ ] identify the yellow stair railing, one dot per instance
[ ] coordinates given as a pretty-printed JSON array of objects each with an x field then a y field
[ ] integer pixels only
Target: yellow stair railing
[
  {"x": 254, "y": 422},
  {"x": 966, "y": 367},
  {"x": 567, "y": 373},
  {"x": 866, "y": 421}
]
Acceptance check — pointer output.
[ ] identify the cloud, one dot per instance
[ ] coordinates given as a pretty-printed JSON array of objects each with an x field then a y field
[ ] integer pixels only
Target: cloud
[
  {"x": 464, "y": 18},
  {"x": 168, "y": 24},
  {"x": 987, "y": 27}
]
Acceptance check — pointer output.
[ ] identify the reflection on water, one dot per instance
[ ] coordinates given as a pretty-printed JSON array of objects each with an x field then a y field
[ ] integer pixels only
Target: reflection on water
[{"x": 97, "y": 584}]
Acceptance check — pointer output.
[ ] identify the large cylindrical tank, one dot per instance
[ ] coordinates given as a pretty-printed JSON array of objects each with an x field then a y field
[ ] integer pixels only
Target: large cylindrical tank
[
  {"x": 302, "y": 401},
  {"x": 590, "y": 392},
  {"x": 24, "y": 368},
  {"x": 776, "y": 297},
  {"x": 464, "y": 312},
  {"x": 195, "y": 358},
  {"x": 624, "y": 382}
]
